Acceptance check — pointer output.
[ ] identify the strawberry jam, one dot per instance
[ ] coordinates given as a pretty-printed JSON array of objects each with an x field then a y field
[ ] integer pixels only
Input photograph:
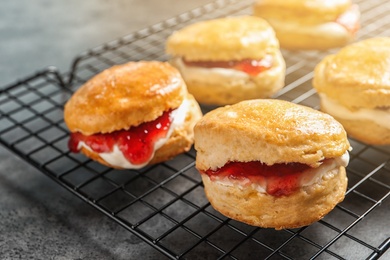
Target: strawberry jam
[
  {"x": 281, "y": 179},
  {"x": 136, "y": 144},
  {"x": 251, "y": 67}
]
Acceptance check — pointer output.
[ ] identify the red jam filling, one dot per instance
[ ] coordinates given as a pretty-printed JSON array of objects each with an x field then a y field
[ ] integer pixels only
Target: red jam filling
[
  {"x": 136, "y": 144},
  {"x": 281, "y": 179},
  {"x": 251, "y": 67}
]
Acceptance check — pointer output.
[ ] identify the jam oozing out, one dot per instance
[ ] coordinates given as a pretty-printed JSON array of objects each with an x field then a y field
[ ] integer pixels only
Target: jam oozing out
[
  {"x": 281, "y": 179},
  {"x": 136, "y": 144},
  {"x": 251, "y": 67}
]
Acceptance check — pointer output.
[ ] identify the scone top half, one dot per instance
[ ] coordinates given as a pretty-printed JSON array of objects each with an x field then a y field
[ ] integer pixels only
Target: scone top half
[
  {"x": 303, "y": 11},
  {"x": 358, "y": 75},
  {"x": 224, "y": 39},
  {"x": 269, "y": 131},
  {"x": 124, "y": 96}
]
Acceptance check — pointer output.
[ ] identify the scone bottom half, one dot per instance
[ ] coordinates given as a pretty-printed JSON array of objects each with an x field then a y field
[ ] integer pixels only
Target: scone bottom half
[
  {"x": 132, "y": 115},
  {"x": 272, "y": 163},
  {"x": 228, "y": 60}
]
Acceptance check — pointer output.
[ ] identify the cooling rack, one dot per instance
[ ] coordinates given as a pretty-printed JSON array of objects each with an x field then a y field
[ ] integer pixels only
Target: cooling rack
[{"x": 165, "y": 204}]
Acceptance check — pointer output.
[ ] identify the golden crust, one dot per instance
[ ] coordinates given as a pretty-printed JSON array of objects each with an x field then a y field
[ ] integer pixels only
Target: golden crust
[
  {"x": 221, "y": 89},
  {"x": 358, "y": 75},
  {"x": 124, "y": 96},
  {"x": 270, "y": 131},
  {"x": 303, "y": 207},
  {"x": 310, "y": 25},
  {"x": 180, "y": 140},
  {"x": 301, "y": 11},
  {"x": 224, "y": 39},
  {"x": 365, "y": 131}
]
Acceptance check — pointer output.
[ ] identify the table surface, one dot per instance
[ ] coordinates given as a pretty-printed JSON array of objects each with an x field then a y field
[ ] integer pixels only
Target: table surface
[{"x": 41, "y": 220}]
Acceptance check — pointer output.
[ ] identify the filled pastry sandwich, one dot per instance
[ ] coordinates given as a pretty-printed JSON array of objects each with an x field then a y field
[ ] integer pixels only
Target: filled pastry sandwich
[
  {"x": 227, "y": 60},
  {"x": 272, "y": 163},
  {"x": 132, "y": 115}
]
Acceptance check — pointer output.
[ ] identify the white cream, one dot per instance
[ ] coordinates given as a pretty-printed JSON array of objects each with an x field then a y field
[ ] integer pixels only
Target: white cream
[
  {"x": 215, "y": 76},
  {"x": 117, "y": 158},
  {"x": 308, "y": 177},
  {"x": 333, "y": 28},
  {"x": 209, "y": 75},
  {"x": 380, "y": 116}
]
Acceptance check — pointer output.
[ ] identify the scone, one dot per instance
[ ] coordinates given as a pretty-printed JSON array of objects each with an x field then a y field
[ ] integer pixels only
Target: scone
[
  {"x": 310, "y": 24},
  {"x": 354, "y": 87},
  {"x": 132, "y": 115},
  {"x": 227, "y": 60},
  {"x": 272, "y": 163}
]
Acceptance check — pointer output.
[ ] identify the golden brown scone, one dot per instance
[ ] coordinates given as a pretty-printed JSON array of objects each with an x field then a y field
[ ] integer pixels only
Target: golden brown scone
[
  {"x": 272, "y": 163},
  {"x": 227, "y": 60},
  {"x": 310, "y": 24},
  {"x": 124, "y": 97},
  {"x": 354, "y": 87}
]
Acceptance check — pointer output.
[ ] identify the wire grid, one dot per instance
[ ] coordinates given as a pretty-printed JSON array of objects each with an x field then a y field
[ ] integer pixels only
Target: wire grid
[{"x": 165, "y": 204}]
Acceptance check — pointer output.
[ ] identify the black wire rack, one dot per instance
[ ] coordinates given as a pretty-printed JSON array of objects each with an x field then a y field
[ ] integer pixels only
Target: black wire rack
[{"x": 165, "y": 204}]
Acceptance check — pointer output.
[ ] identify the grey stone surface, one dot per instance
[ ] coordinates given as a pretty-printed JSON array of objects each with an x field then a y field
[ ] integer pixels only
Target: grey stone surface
[
  {"x": 41, "y": 220},
  {"x": 35, "y": 34},
  {"x": 38, "y": 218}
]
